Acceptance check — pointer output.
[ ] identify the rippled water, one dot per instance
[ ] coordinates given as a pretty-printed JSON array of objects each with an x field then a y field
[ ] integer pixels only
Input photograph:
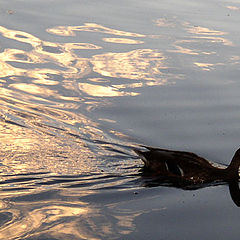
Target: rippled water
[{"x": 81, "y": 83}]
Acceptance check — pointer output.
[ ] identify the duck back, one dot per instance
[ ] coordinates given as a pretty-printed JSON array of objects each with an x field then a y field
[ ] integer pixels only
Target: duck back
[{"x": 180, "y": 165}]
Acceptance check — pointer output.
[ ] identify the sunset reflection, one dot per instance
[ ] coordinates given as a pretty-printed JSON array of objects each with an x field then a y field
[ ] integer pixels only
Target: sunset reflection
[
  {"x": 66, "y": 220},
  {"x": 101, "y": 91},
  {"x": 122, "y": 40},
  {"x": 76, "y": 99},
  {"x": 33, "y": 89},
  {"x": 137, "y": 64},
  {"x": 234, "y": 8},
  {"x": 90, "y": 27},
  {"x": 64, "y": 216},
  {"x": 210, "y": 35},
  {"x": 204, "y": 66},
  {"x": 33, "y": 136},
  {"x": 36, "y": 219},
  {"x": 165, "y": 22},
  {"x": 44, "y": 85},
  {"x": 198, "y": 42}
]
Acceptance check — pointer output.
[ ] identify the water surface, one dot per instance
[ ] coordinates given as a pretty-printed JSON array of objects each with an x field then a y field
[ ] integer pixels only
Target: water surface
[{"x": 81, "y": 83}]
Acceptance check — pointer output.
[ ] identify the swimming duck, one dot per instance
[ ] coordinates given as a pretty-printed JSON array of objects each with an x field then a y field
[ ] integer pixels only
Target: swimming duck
[{"x": 186, "y": 167}]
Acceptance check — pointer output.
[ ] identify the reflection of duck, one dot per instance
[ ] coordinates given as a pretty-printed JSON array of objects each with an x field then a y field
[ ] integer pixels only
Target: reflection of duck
[
  {"x": 186, "y": 168},
  {"x": 235, "y": 192}
]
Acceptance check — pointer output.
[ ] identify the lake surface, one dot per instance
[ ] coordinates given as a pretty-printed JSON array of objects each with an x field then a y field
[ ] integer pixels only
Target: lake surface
[{"x": 81, "y": 83}]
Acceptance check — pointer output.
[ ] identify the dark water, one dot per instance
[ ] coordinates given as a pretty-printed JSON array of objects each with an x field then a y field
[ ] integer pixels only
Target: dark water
[{"x": 81, "y": 83}]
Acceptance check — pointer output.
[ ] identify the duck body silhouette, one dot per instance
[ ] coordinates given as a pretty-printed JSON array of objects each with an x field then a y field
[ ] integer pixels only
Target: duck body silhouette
[{"x": 185, "y": 167}]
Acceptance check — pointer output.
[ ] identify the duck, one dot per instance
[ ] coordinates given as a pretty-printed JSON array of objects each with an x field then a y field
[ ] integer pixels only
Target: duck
[{"x": 186, "y": 168}]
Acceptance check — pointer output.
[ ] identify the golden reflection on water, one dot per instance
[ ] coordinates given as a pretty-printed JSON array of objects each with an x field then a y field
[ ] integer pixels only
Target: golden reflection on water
[
  {"x": 200, "y": 35},
  {"x": 210, "y": 35},
  {"x": 24, "y": 150},
  {"x": 205, "y": 31},
  {"x": 43, "y": 86},
  {"x": 66, "y": 217},
  {"x": 122, "y": 40},
  {"x": 33, "y": 89},
  {"x": 144, "y": 65},
  {"x": 101, "y": 91},
  {"x": 140, "y": 64},
  {"x": 31, "y": 140},
  {"x": 198, "y": 42},
  {"x": 35, "y": 218},
  {"x": 137, "y": 64},
  {"x": 40, "y": 89},
  {"x": 207, "y": 66},
  {"x": 165, "y": 22},
  {"x": 90, "y": 27},
  {"x": 234, "y": 8},
  {"x": 235, "y": 59}
]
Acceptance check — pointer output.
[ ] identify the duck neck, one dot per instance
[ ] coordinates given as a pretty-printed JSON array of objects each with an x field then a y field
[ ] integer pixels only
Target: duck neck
[{"x": 234, "y": 167}]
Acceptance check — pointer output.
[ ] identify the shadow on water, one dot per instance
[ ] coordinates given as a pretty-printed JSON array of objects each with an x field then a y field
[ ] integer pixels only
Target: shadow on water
[
  {"x": 187, "y": 170},
  {"x": 234, "y": 189},
  {"x": 235, "y": 192}
]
